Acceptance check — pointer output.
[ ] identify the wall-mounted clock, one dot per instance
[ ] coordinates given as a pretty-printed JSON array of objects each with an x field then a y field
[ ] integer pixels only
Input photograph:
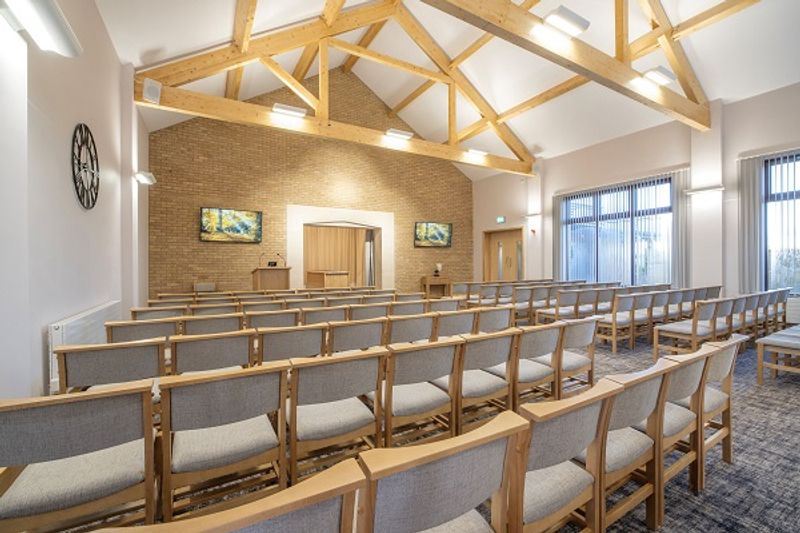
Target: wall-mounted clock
[{"x": 85, "y": 166}]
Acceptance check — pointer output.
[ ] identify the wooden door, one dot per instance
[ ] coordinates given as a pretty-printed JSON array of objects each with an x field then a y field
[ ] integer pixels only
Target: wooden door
[{"x": 502, "y": 255}]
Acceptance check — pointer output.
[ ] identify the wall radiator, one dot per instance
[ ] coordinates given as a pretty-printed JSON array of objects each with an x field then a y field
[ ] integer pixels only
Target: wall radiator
[
  {"x": 793, "y": 310},
  {"x": 87, "y": 327}
]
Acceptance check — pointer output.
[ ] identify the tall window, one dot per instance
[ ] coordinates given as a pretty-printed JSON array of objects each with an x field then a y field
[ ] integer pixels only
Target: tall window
[
  {"x": 782, "y": 219},
  {"x": 621, "y": 233}
]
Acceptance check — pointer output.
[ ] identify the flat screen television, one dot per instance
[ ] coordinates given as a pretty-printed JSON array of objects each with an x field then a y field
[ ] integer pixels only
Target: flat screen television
[
  {"x": 433, "y": 234},
  {"x": 230, "y": 225}
]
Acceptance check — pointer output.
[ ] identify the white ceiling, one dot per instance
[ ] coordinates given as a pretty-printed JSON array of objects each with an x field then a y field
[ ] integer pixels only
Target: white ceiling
[{"x": 749, "y": 53}]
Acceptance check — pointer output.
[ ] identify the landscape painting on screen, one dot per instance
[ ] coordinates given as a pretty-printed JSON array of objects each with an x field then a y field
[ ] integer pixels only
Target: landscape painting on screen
[
  {"x": 229, "y": 225},
  {"x": 433, "y": 235}
]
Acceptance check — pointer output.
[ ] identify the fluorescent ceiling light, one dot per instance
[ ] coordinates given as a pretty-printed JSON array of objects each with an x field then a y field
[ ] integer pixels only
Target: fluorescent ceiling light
[
  {"x": 567, "y": 21},
  {"x": 145, "y": 178},
  {"x": 475, "y": 151},
  {"x": 399, "y": 134},
  {"x": 289, "y": 110},
  {"x": 660, "y": 75},
  {"x": 46, "y": 24},
  {"x": 701, "y": 190}
]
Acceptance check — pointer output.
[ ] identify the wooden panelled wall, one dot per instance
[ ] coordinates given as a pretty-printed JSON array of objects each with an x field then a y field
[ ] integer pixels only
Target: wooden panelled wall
[
  {"x": 205, "y": 163},
  {"x": 335, "y": 248}
]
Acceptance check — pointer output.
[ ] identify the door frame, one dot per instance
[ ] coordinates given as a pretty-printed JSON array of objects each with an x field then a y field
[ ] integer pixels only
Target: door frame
[{"x": 487, "y": 252}]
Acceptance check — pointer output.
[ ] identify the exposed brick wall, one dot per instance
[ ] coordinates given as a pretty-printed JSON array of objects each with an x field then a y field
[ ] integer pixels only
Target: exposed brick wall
[{"x": 206, "y": 163}]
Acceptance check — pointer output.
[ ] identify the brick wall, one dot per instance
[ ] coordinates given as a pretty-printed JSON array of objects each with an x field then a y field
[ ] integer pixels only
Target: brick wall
[{"x": 206, "y": 163}]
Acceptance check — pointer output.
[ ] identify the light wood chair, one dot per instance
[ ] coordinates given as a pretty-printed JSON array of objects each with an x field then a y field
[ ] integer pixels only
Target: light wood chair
[
  {"x": 521, "y": 301},
  {"x": 409, "y": 296},
  {"x": 778, "y": 352},
  {"x": 304, "y": 303},
  {"x": 723, "y": 319},
  {"x": 483, "y": 294},
  {"x": 533, "y": 342},
  {"x": 439, "y": 485},
  {"x": 273, "y": 319},
  {"x": 491, "y": 319},
  {"x": 618, "y": 325},
  {"x": 605, "y": 300},
  {"x": 575, "y": 354},
  {"x": 553, "y": 486},
  {"x": 85, "y": 366},
  {"x": 413, "y": 406},
  {"x": 587, "y": 302},
  {"x": 642, "y": 317},
  {"x": 407, "y": 307},
  {"x": 324, "y": 314},
  {"x": 367, "y": 311},
  {"x": 687, "y": 304},
  {"x": 411, "y": 328},
  {"x": 452, "y": 323},
  {"x": 266, "y": 305},
  {"x": 201, "y": 325},
  {"x": 327, "y": 406},
  {"x": 144, "y": 313},
  {"x": 212, "y": 351},
  {"x": 686, "y": 335},
  {"x": 213, "y": 308},
  {"x": 566, "y": 306},
  {"x": 64, "y": 459},
  {"x": 505, "y": 293},
  {"x": 277, "y": 344},
  {"x": 136, "y": 330},
  {"x": 218, "y": 425},
  {"x": 171, "y": 302},
  {"x": 378, "y": 298},
  {"x": 336, "y": 301},
  {"x": 442, "y": 304},
  {"x": 355, "y": 335}
]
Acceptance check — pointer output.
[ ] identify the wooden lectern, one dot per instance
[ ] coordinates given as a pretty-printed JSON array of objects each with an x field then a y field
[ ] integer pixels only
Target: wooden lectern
[{"x": 271, "y": 278}]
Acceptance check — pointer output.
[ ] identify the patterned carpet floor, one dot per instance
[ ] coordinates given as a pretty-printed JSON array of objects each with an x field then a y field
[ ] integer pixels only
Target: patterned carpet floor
[{"x": 760, "y": 491}]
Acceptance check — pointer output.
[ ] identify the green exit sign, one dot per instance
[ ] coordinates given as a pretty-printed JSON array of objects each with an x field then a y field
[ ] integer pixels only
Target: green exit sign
[{"x": 500, "y": 219}]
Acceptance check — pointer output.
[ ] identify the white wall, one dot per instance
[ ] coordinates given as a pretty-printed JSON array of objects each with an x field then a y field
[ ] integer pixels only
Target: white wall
[{"x": 15, "y": 364}]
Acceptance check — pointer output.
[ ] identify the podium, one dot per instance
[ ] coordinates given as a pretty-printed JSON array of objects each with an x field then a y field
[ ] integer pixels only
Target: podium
[
  {"x": 271, "y": 278},
  {"x": 327, "y": 279}
]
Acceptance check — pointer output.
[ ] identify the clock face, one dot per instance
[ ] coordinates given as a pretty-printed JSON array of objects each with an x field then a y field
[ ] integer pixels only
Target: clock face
[{"x": 85, "y": 166}]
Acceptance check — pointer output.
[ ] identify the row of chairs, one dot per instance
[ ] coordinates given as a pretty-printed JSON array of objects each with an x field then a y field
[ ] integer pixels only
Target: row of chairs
[
  {"x": 756, "y": 314},
  {"x": 498, "y": 294},
  {"x": 202, "y": 294},
  {"x": 537, "y": 469},
  {"x": 121, "y": 330}
]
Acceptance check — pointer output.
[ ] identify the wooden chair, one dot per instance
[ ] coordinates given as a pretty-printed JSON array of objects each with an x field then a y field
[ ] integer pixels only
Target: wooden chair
[
  {"x": 324, "y": 314},
  {"x": 491, "y": 319},
  {"x": 409, "y": 296},
  {"x": 483, "y": 295},
  {"x": 626, "y": 449},
  {"x": 202, "y": 325},
  {"x": 304, "y": 303},
  {"x": 505, "y": 293},
  {"x": 407, "y": 307},
  {"x": 605, "y": 300},
  {"x": 277, "y": 344},
  {"x": 659, "y": 311},
  {"x": 533, "y": 342},
  {"x": 378, "y": 298},
  {"x": 442, "y": 304},
  {"x": 65, "y": 459},
  {"x": 587, "y": 302},
  {"x": 439, "y": 485},
  {"x": 144, "y": 313},
  {"x": 642, "y": 317},
  {"x": 723, "y": 319},
  {"x": 213, "y": 308},
  {"x": 521, "y": 301},
  {"x": 452, "y": 323},
  {"x": 270, "y": 305},
  {"x": 483, "y": 391},
  {"x": 367, "y": 311},
  {"x": 687, "y": 304},
  {"x": 778, "y": 352},
  {"x": 343, "y": 300},
  {"x": 412, "y": 404},
  {"x": 136, "y": 330},
  {"x": 686, "y": 335},
  {"x": 355, "y": 335},
  {"x": 618, "y": 325},
  {"x": 217, "y": 425},
  {"x": 673, "y": 310},
  {"x": 411, "y": 328},
  {"x": 566, "y": 306},
  {"x": 86, "y": 366},
  {"x": 577, "y": 336},
  {"x": 326, "y": 407},
  {"x": 553, "y": 486},
  {"x": 273, "y": 319},
  {"x": 171, "y": 302},
  {"x": 212, "y": 351}
]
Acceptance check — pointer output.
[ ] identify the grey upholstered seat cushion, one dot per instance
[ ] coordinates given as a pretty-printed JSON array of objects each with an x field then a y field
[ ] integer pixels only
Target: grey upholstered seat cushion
[
  {"x": 684, "y": 327},
  {"x": 622, "y": 318},
  {"x": 528, "y": 372},
  {"x": 586, "y": 308},
  {"x": 641, "y": 316},
  {"x": 569, "y": 360},
  {"x": 604, "y": 307},
  {"x": 713, "y": 399},
  {"x": 675, "y": 419},
  {"x": 521, "y": 305},
  {"x": 470, "y": 522},
  {"x": 674, "y": 310},
  {"x": 322, "y": 420},
  {"x": 415, "y": 398},
  {"x": 567, "y": 310},
  {"x": 622, "y": 448},
  {"x": 780, "y": 340},
  {"x": 64, "y": 483},
  {"x": 200, "y": 449},
  {"x": 476, "y": 383},
  {"x": 549, "y": 489},
  {"x": 538, "y": 304}
]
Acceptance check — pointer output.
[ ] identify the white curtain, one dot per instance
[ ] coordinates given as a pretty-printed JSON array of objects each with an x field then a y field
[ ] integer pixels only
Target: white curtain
[
  {"x": 558, "y": 228},
  {"x": 680, "y": 225},
  {"x": 751, "y": 224}
]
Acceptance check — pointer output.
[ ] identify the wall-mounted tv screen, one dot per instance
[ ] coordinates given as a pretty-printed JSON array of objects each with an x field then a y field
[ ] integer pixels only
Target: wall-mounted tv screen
[
  {"x": 433, "y": 235},
  {"x": 229, "y": 225}
]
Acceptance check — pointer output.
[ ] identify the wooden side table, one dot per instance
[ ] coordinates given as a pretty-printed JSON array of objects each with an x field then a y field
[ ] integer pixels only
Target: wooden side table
[{"x": 436, "y": 286}]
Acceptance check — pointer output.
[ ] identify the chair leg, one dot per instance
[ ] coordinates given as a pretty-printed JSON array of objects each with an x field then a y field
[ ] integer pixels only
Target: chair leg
[
  {"x": 651, "y": 504},
  {"x": 655, "y": 346},
  {"x": 697, "y": 468},
  {"x": 593, "y": 510},
  {"x": 727, "y": 442},
  {"x": 166, "y": 499},
  {"x": 760, "y": 365}
]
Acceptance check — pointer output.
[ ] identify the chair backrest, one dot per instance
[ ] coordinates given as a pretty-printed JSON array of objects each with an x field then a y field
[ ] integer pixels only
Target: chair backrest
[
  {"x": 215, "y": 300},
  {"x": 566, "y": 298},
  {"x": 686, "y": 379},
  {"x": 417, "y": 363},
  {"x": 273, "y": 319},
  {"x": 410, "y": 307},
  {"x": 457, "y": 474},
  {"x": 135, "y": 330},
  {"x": 763, "y": 299},
  {"x": 494, "y": 318},
  {"x": 605, "y": 295},
  {"x": 409, "y": 296},
  {"x": 773, "y": 298},
  {"x": 204, "y": 286},
  {"x": 701, "y": 293},
  {"x": 271, "y": 305},
  {"x": 704, "y": 310},
  {"x": 587, "y": 296},
  {"x": 713, "y": 292},
  {"x": 343, "y": 300},
  {"x": 535, "y": 341},
  {"x": 456, "y": 322},
  {"x": 305, "y": 303},
  {"x": 738, "y": 305},
  {"x": 365, "y": 311},
  {"x": 411, "y": 328},
  {"x": 640, "y": 396},
  {"x": 459, "y": 289},
  {"x": 193, "y": 353},
  {"x": 724, "y": 308},
  {"x": 170, "y": 302},
  {"x": 200, "y": 325},
  {"x": 213, "y": 309},
  {"x": 675, "y": 297},
  {"x": 378, "y": 298},
  {"x": 751, "y": 302},
  {"x": 328, "y": 379},
  {"x": 488, "y": 291},
  {"x": 443, "y": 304},
  {"x": 562, "y": 429},
  {"x": 486, "y": 350},
  {"x": 324, "y": 314},
  {"x": 275, "y": 344},
  {"x": 688, "y": 295},
  {"x": 522, "y": 294},
  {"x": 98, "y": 364},
  {"x": 540, "y": 294},
  {"x": 505, "y": 290},
  {"x": 642, "y": 300},
  {"x": 579, "y": 334},
  {"x": 36, "y": 430},
  {"x": 720, "y": 365},
  {"x": 660, "y": 299},
  {"x": 144, "y": 313},
  {"x": 224, "y": 397},
  {"x": 356, "y": 334}
]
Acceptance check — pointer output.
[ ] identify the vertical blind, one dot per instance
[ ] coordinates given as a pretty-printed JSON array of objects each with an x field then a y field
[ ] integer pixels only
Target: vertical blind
[
  {"x": 621, "y": 233},
  {"x": 781, "y": 232}
]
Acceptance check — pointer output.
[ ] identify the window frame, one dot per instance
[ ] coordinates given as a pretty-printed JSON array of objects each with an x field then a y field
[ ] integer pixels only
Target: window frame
[{"x": 770, "y": 197}]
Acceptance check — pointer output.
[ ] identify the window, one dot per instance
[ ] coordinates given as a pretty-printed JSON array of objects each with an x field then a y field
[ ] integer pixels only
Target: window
[
  {"x": 782, "y": 207},
  {"x": 621, "y": 233}
]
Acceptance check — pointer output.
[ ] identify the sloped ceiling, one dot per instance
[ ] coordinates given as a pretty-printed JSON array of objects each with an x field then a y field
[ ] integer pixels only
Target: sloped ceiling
[{"x": 749, "y": 53}]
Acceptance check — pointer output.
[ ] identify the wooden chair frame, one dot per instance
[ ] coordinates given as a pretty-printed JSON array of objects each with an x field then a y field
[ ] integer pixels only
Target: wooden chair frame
[
  {"x": 392, "y": 320},
  {"x": 693, "y": 339},
  {"x": 444, "y": 314},
  {"x": 177, "y": 321},
  {"x": 524, "y": 388},
  {"x": 295, "y": 312},
  {"x": 616, "y": 332},
  {"x": 261, "y": 332},
  {"x": 136, "y": 312},
  {"x": 203, "y": 318},
  {"x": 176, "y": 341},
  {"x": 776, "y": 358},
  {"x": 333, "y": 326},
  {"x": 543, "y": 316},
  {"x": 343, "y": 308},
  {"x": 476, "y": 327}
]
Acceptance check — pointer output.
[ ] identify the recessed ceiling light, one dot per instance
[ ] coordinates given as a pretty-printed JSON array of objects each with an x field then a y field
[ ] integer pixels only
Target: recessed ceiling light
[
  {"x": 399, "y": 134},
  {"x": 476, "y": 152},
  {"x": 567, "y": 21},
  {"x": 46, "y": 24},
  {"x": 660, "y": 75},
  {"x": 289, "y": 110}
]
